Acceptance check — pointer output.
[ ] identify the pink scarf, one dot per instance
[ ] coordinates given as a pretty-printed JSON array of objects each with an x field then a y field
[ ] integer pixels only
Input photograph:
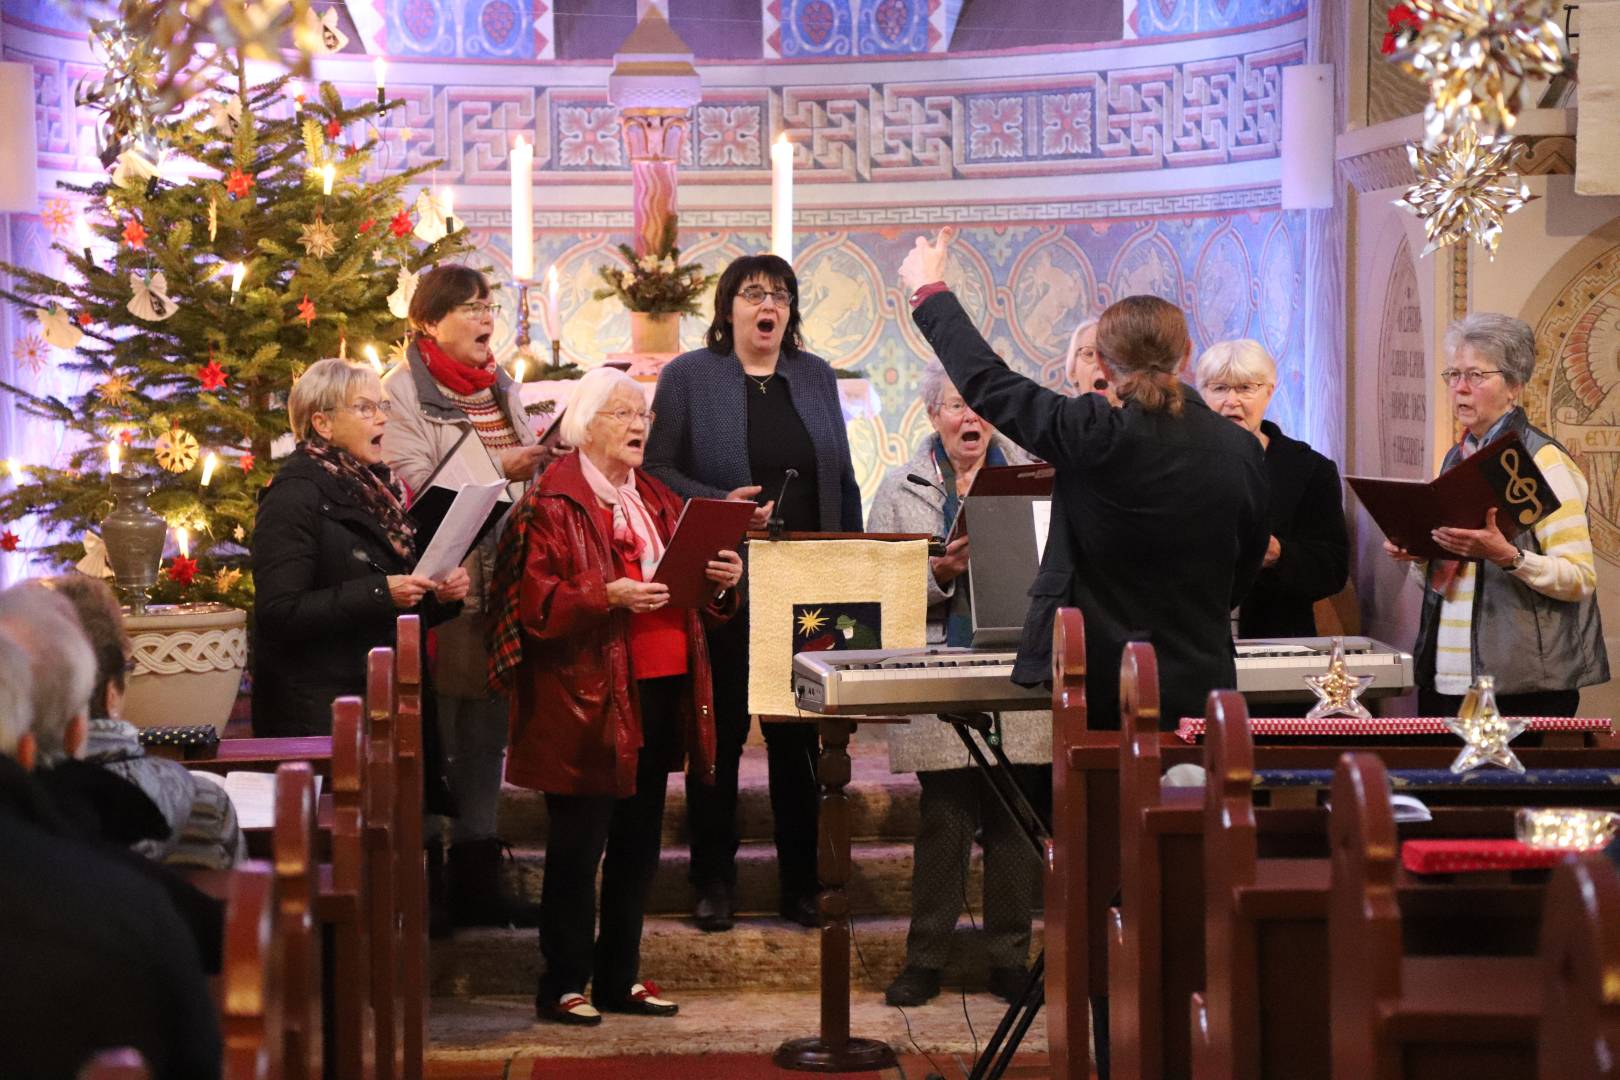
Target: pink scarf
[{"x": 635, "y": 534}]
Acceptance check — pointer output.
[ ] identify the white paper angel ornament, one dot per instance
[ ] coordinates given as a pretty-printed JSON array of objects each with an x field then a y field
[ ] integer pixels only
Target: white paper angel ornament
[
  {"x": 151, "y": 300},
  {"x": 399, "y": 301},
  {"x": 57, "y": 328},
  {"x": 430, "y": 225}
]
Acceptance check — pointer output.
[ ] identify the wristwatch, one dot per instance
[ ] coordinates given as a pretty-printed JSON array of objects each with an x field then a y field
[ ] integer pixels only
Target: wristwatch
[{"x": 1517, "y": 561}]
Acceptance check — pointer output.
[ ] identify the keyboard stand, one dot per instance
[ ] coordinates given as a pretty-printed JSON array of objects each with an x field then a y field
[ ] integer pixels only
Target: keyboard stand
[{"x": 994, "y": 1059}]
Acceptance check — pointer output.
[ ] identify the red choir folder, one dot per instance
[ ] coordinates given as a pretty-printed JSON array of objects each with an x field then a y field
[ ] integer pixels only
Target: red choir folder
[
  {"x": 1501, "y": 474},
  {"x": 706, "y": 528}
]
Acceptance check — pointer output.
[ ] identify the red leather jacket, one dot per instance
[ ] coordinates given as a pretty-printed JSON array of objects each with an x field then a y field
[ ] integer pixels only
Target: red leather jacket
[{"x": 575, "y": 720}]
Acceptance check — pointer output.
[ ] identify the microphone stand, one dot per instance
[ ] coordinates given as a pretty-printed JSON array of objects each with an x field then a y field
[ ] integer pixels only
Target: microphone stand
[
  {"x": 936, "y": 544},
  {"x": 774, "y": 527}
]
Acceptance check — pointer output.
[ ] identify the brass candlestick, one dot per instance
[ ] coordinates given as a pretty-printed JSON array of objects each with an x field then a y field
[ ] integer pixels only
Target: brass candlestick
[
  {"x": 522, "y": 317},
  {"x": 556, "y": 352}
]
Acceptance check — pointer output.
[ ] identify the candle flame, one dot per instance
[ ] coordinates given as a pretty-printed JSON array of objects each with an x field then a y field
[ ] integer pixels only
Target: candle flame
[
  {"x": 182, "y": 537},
  {"x": 520, "y": 368},
  {"x": 238, "y": 272},
  {"x": 210, "y": 463},
  {"x": 371, "y": 355},
  {"x": 328, "y": 175},
  {"x": 380, "y": 66},
  {"x": 115, "y": 456},
  {"x": 14, "y": 467}
]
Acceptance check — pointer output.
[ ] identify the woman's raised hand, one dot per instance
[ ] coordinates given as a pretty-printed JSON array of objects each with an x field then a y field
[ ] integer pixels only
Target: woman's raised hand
[
  {"x": 637, "y": 596},
  {"x": 925, "y": 263}
]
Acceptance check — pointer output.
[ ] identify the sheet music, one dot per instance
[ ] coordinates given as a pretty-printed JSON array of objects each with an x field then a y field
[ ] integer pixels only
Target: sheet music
[
  {"x": 460, "y": 526},
  {"x": 1042, "y": 509},
  {"x": 252, "y": 795}
]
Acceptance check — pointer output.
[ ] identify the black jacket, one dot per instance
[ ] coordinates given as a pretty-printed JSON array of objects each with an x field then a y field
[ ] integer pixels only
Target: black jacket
[
  {"x": 94, "y": 955},
  {"x": 1158, "y": 522},
  {"x": 1307, "y": 518},
  {"x": 320, "y": 569}
]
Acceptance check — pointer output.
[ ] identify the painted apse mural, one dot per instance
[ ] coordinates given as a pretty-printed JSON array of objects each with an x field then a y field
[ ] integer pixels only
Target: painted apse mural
[{"x": 1078, "y": 173}]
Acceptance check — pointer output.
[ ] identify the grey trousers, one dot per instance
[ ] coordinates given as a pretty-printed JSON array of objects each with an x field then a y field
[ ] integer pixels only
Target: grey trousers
[
  {"x": 955, "y": 802},
  {"x": 473, "y": 734}
]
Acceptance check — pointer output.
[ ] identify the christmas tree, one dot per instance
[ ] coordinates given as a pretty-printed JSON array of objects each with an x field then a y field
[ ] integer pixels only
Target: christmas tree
[{"x": 246, "y": 244}]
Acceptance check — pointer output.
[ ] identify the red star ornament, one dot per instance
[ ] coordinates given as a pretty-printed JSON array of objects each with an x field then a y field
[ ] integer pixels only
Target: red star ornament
[
  {"x": 246, "y": 461},
  {"x": 182, "y": 569},
  {"x": 349, "y": 152},
  {"x": 84, "y": 318},
  {"x": 333, "y": 129},
  {"x": 365, "y": 226},
  {"x": 401, "y": 225},
  {"x": 306, "y": 311},
  {"x": 212, "y": 376},
  {"x": 9, "y": 540},
  {"x": 127, "y": 436},
  {"x": 238, "y": 183},
  {"x": 135, "y": 234}
]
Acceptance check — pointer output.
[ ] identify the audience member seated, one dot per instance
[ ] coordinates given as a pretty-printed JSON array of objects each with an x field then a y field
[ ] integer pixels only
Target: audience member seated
[
  {"x": 956, "y": 798},
  {"x": 332, "y": 555},
  {"x": 1523, "y": 609},
  {"x": 203, "y": 831},
  {"x": 610, "y": 690},
  {"x": 1308, "y": 554},
  {"x": 94, "y": 955}
]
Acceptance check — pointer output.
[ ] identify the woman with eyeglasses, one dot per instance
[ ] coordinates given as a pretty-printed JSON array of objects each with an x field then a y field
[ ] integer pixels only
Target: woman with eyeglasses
[
  {"x": 1308, "y": 552},
  {"x": 1518, "y": 605},
  {"x": 956, "y": 800},
  {"x": 610, "y": 690},
  {"x": 333, "y": 551},
  {"x": 755, "y": 416},
  {"x": 458, "y": 420}
]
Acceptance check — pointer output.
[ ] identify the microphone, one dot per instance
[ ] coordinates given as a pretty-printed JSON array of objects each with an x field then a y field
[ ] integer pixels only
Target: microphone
[
  {"x": 936, "y": 543},
  {"x": 774, "y": 526}
]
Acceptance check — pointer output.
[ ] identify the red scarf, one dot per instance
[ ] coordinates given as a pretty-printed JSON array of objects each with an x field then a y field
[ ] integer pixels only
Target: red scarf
[{"x": 453, "y": 375}]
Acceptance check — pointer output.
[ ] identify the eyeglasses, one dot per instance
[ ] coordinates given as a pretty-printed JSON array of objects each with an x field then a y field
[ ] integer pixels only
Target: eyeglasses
[
  {"x": 756, "y": 294},
  {"x": 622, "y": 417},
  {"x": 1245, "y": 391},
  {"x": 366, "y": 409},
  {"x": 479, "y": 308},
  {"x": 954, "y": 408},
  {"x": 1451, "y": 376}
]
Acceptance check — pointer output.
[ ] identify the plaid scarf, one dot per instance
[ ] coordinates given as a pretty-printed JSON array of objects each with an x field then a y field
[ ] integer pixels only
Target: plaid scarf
[
  {"x": 374, "y": 486},
  {"x": 505, "y": 597}
]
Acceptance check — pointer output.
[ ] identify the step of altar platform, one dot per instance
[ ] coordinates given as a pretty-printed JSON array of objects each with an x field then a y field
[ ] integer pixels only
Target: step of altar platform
[
  {"x": 880, "y": 878},
  {"x": 882, "y": 805},
  {"x": 761, "y": 953}
]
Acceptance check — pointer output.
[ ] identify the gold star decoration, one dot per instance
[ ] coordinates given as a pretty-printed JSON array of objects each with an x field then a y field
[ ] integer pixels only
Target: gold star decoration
[
  {"x": 1485, "y": 732},
  {"x": 176, "y": 450},
  {"x": 397, "y": 352},
  {"x": 318, "y": 238},
  {"x": 811, "y": 621},
  {"x": 239, "y": 534},
  {"x": 1465, "y": 189},
  {"x": 114, "y": 389},
  {"x": 227, "y": 577},
  {"x": 1338, "y": 692},
  {"x": 1475, "y": 56}
]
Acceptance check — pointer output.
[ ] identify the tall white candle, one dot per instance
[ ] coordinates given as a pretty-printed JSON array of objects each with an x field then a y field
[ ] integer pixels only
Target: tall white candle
[
  {"x": 522, "y": 210},
  {"x": 210, "y": 463},
  {"x": 380, "y": 67},
  {"x": 782, "y": 197},
  {"x": 238, "y": 272},
  {"x": 373, "y": 358},
  {"x": 447, "y": 207},
  {"x": 115, "y": 456},
  {"x": 182, "y": 540},
  {"x": 553, "y": 304}
]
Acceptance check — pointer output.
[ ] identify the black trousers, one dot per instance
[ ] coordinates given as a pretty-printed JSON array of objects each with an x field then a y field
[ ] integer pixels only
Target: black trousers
[
  {"x": 1535, "y": 703},
  {"x": 791, "y": 751},
  {"x": 630, "y": 832}
]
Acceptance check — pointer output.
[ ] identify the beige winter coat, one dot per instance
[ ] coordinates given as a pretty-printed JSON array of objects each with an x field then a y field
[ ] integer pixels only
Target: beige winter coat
[{"x": 424, "y": 430}]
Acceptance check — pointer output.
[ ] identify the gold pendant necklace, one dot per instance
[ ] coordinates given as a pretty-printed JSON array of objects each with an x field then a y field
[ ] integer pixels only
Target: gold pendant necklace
[{"x": 759, "y": 382}]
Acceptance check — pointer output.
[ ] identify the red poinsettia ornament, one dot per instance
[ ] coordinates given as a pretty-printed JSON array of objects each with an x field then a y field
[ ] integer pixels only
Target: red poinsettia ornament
[
  {"x": 182, "y": 569},
  {"x": 9, "y": 540}
]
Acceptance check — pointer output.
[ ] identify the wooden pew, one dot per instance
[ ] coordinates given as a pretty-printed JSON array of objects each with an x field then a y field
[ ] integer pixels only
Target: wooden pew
[
  {"x": 412, "y": 859},
  {"x": 297, "y": 871},
  {"x": 343, "y": 898},
  {"x": 250, "y": 984},
  {"x": 1580, "y": 958},
  {"x": 1397, "y": 1015},
  {"x": 381, "y": 797}
]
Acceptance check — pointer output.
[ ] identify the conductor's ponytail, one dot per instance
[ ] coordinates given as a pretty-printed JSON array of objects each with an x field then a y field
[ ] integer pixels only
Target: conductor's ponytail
[{"x": 1144, "y": 340}]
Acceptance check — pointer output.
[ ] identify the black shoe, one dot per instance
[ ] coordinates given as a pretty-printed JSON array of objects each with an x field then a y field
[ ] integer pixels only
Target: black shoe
[
  {"x": 642, "y": 1000},
  {"x": 479, "y": 892},
  {"x": 802, "y": 910},
  {"x": 714, "y": 910},
  {"x": 1007, "y": 983},
  {"x": 914, "y": 986}
]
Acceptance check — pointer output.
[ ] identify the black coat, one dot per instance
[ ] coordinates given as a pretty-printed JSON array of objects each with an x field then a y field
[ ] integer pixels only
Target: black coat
[
  {"x": 1307, "y": 518},
  {"x": 320, "y": 579},
  {"x": 94, "y": 955},
  {"x": 1158, "y": 522}
]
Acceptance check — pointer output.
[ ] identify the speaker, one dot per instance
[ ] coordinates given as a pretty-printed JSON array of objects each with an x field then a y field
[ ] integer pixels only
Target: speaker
[{"x": 1307, "y": 137}]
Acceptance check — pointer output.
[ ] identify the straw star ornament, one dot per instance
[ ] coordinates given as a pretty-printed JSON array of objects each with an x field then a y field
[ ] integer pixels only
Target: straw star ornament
[{"x": 1465, "y": 189}]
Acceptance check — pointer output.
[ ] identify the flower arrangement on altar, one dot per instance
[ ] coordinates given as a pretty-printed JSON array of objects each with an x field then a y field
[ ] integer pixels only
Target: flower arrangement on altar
[{"x": 658, "y": 282}]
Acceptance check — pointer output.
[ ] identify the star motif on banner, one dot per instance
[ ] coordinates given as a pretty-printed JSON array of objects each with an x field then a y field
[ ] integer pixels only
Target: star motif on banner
[
  {"x": 1337, "y": 691},
  {"x": 211, "y": 375},
  {"x": 306, "y": 311},
  {"x": 238, "y": 183},
  {"x": 135, "y": 234},
  {"x": 811, "y": 621},
  {"x": 318, "y": 238}
]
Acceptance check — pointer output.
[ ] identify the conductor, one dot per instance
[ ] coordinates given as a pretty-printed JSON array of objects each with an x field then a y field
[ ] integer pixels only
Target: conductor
[{"x": 1158, "y": 507}]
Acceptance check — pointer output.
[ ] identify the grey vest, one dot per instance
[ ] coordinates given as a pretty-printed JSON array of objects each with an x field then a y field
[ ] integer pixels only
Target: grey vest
[{"x": 1529, "y": 642}]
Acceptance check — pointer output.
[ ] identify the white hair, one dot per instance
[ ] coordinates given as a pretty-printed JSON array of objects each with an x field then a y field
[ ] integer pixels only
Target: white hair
[
  {"x": 1237, "y": 360},
  {"x": 1074, "y": 345},
  {"x": 935, "y": 384},
  {"x": 16, "y": 695},
  {"x": 1507, "y": 342},
  {"x": 323, "y": 387},
  {"x": 588, "y": 398},
  {"x": 63, "y": 665}
]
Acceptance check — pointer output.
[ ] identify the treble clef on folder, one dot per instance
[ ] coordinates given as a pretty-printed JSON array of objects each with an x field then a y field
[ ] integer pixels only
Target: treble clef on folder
[{"x": 1520, "y": 489}]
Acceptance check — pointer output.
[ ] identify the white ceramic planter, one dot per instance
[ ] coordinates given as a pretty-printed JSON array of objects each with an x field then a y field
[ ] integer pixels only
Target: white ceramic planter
[{"x": 188, "y": 664}]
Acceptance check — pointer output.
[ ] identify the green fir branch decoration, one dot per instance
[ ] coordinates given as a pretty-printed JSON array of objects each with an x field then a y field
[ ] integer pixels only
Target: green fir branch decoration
[{"x": 657, "y": 282}]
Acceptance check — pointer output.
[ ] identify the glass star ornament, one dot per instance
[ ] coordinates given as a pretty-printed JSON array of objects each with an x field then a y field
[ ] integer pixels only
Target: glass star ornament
[
  {"x": 1485, "y": 732},
  {"x": 1337, "y": 691},
  {"x": 1465, "y": 189}
]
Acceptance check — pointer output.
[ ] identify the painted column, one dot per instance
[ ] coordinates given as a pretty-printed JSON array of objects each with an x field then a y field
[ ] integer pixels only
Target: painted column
[{"x": 654, "y": 86}]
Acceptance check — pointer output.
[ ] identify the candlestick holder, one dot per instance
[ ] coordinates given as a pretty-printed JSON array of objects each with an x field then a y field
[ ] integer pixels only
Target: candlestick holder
[
  {"x": 134, "y": 537},
  {"x": 382, "y": 97},
  {"x": 556, "y": 352},
  {"x": 522, "y": 316}
]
